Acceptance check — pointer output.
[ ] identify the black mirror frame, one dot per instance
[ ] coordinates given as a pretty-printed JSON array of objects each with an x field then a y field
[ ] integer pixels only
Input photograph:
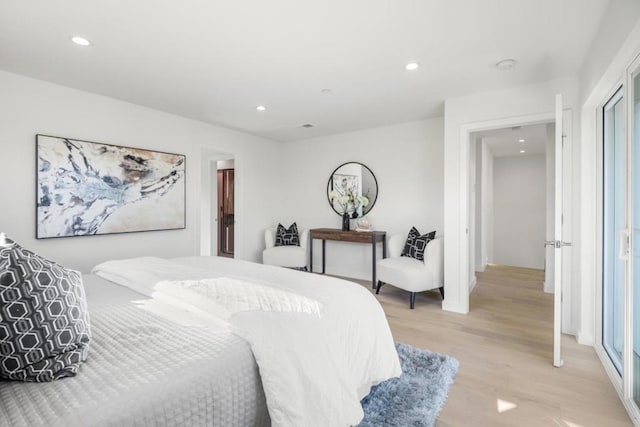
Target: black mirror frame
[{"x": 374, "y": 180}]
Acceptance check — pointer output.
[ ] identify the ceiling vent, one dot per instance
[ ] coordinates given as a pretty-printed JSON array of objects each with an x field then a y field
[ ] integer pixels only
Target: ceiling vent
[{"x": 506, "y": 64}]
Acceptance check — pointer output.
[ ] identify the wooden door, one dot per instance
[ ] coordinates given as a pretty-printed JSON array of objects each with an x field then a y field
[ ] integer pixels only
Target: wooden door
[{"x": 226, "y": 219}]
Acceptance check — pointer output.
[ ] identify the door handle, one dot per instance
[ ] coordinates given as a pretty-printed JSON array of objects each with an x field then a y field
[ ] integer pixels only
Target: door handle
[
  {"x": 623, "y": 245},
  {"x": 557, "y": 243}
]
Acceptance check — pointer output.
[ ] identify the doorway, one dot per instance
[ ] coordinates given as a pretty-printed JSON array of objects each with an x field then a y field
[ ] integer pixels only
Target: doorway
[
  {"x": 562, "y": 194},
  {"x": 210, "y": 229},
  {"x": 226, "y": 208},
  {"x": 512, "y": 199},
  {"x": 564, "y": 204}
]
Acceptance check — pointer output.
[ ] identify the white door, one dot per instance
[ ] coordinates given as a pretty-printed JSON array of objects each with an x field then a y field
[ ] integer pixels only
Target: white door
[{"x": 560, "y": 246}]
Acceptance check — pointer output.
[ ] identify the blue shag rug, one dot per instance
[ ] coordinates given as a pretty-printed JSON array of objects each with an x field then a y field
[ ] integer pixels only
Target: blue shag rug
[{"x": 417, "y": 396}]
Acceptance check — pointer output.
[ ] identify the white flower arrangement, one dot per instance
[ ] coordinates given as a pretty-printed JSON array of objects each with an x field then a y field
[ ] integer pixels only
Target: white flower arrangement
[{"x": 348, "y": 203}]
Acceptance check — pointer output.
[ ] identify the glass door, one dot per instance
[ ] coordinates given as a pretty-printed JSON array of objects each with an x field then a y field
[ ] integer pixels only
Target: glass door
[{"x": 614, "y": 236}]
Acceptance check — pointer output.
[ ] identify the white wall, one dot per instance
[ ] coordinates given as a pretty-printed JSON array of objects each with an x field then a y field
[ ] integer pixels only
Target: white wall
[
  {"x": 479, "y": 261},
  {"x": 473, "y": 195},
  {"x": 29, "y": 106},
  {"x": 408, "y": 164},
  {"x": 620, "y": 19},
  {"x": 519, "y": 210},
  {"x": 487, "y": 111},
  {"x": 486, "y": 206},
  {"x": 224, "y": 164}
]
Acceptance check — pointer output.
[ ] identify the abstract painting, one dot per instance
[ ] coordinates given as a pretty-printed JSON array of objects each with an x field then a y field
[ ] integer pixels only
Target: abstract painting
[
  {"x": 344, "y": 183},
  {"x": 87, "y": 188}
]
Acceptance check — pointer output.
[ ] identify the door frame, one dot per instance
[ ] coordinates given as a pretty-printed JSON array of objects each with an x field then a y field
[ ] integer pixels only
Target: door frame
[
  {"x": 629, "y": 335},
  {"x": 608, "y": 365},
  {"x": 466, "y": 131},
  {"x": 206, "y": 241}
]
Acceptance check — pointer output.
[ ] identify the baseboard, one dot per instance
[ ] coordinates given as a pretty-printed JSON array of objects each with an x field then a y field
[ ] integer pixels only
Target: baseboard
[
  {"x": 456, "y": 308},
  {"x": 585, "y": 339},
  {"x": 481, "y": 268},
  {"x": 548, "y": 288},
  {"x": 473, "y": 283}
]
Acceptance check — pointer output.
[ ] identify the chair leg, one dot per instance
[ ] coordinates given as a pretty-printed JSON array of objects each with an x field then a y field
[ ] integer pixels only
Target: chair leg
[
  {"x": 412, "y": 299},
  {"x": 441, "y": 288},
  {"x": 379, "y": 286}
]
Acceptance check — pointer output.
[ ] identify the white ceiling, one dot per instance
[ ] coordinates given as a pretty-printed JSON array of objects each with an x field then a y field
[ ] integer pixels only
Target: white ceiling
[
  {"x": 506, "y": 142},
  {"x": 215, "y": 60}
]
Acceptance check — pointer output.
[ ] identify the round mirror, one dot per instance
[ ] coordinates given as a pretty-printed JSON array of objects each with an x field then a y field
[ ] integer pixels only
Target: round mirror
[{"x": 352, "y": 189}]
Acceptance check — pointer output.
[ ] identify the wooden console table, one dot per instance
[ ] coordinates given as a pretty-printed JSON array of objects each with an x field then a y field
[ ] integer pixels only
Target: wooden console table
[{"x": 372, "y": 237}]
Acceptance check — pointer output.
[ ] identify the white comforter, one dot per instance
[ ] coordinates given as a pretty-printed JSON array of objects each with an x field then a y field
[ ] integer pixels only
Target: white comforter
[{"x": 320, "y": 343}]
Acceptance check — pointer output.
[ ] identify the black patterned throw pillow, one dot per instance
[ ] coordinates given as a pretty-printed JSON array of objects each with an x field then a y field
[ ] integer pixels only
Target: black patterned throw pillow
[
  {"x": 44, "y": 323},
  {"x": 287, "y": 236},
  {"x": 411, "y": 237},
  {"x": 416, "y": 244}
]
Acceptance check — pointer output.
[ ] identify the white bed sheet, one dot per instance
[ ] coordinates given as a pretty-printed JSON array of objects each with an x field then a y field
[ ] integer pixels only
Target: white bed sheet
[
  {"x": 344, "y": 301},
  {"x": 314, "y": 374}
]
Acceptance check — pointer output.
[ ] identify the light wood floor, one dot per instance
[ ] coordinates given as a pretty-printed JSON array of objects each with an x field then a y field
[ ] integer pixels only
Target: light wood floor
[{"x": 504, "y": 346}]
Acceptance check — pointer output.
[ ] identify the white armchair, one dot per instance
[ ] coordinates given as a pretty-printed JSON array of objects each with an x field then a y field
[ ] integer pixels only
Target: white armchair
[
  {"x": 411, "y": 274},
  {"x": 285, "y": 256}
]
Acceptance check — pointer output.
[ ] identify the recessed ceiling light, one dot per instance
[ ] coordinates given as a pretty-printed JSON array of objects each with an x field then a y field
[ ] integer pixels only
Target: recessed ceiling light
[
  {"x": 412, "y": 66},
  {"x": 522, "y": 151},
  {"x": 81, "y": 41},
  {"x": 521, "y": 140},
  {"x": 506, "y": 64},
  {"x": 307, "y": 125},
  {"x": 326, "y": 91},
  {"x": 261, "y": 108}
]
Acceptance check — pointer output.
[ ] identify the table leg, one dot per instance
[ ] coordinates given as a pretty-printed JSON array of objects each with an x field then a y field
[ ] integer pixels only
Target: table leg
[
  {"x": 324, "y": 248},
  {"x": 374, "y": 245},
  {"x": 384, "y": 246}
]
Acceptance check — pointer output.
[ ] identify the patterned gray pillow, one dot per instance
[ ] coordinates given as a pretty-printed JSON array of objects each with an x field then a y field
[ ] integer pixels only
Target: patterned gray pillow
[
  {"x": 416, "y": 244},
  {"x": 287, "y": 236},
  {"x": 44, "y": 323}
]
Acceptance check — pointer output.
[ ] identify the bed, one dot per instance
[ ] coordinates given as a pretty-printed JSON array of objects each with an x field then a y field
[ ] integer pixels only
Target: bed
[{"x": 214, "y": 341}]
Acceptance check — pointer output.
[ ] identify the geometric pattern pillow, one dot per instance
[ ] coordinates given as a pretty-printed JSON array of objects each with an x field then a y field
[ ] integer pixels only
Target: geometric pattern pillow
[
  {"x": 44, "y": 323},
  {"x": 411, "y": 237},
  {"x": 287, "y": 236},
  {"x": 416, "y": 244}
]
